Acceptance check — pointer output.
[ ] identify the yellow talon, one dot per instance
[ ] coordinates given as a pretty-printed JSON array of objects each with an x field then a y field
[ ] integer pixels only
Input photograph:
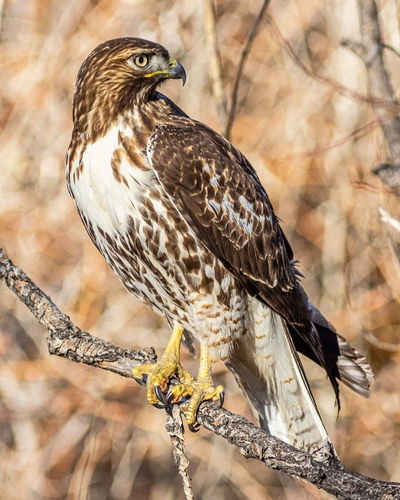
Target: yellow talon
[
  {"x": 159, "y": 374},
  {"x": 203, "y": 387}
]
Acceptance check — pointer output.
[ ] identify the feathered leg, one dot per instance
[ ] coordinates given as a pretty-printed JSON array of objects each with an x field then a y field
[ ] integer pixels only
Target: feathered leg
[
  {"x": 157, "y": 377},
  {"x": 201, "y": 389}
]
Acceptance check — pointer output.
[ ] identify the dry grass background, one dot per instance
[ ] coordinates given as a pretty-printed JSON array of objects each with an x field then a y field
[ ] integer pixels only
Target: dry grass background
[{"x": 72, "y": 432}]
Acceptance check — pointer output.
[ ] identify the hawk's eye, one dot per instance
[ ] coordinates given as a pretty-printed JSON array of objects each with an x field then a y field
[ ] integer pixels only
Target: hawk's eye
[{"x": 141, "y": 61}]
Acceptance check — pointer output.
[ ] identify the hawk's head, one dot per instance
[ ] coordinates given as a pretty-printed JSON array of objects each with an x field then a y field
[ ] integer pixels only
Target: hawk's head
[{"x": 115, "y": 75}]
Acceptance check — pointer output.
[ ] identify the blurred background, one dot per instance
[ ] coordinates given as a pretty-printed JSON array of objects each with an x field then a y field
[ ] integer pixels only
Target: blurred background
[{"x": 68, "y": 431}]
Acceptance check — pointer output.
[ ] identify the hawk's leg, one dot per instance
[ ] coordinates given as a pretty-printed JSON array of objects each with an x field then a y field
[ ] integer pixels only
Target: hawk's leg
[
  {"x": 158, "y": 375},
  {"x": 200, "y": 390}
]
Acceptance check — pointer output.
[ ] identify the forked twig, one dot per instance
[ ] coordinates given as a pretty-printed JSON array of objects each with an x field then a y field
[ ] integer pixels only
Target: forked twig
[{"x": 392, "y": 49}]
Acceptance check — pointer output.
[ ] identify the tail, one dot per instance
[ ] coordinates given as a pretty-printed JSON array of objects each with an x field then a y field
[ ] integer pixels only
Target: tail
[
  {"x": 268, "y": 370},
  {"x": 350, "y": 366}
]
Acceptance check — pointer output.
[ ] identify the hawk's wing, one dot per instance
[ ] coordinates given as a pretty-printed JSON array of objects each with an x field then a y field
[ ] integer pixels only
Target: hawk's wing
[{"x": 218, "y": 193}]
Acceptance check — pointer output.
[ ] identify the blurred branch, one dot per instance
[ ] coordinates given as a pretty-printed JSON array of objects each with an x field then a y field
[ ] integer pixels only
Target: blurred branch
[
  {"x": 215, "y": 62},
  {"x": 251, "y": 34},
  {"x": 321, "y": 150},
  {"x": 375, "y": 189},
  {"x": 370, "y": 50},
  {"x": 2, "y": 10},
  {"x": 392, "y": 108},
  {"x": 381, "y": 94},
  {"x": 389, "y": 47},
  {"x": 380, "y": 344},
  {"x": 227, "y": 114},
  {"x": 320, "y": 467},
  {"x": 388, "y": 219}
]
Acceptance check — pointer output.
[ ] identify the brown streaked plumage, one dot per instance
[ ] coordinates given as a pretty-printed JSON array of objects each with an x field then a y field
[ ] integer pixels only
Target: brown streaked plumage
[{"x": 182, "y": 218}]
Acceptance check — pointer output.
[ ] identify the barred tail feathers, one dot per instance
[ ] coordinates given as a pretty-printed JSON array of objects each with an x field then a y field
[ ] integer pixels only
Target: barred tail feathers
[{"x": 268, "y": 370}]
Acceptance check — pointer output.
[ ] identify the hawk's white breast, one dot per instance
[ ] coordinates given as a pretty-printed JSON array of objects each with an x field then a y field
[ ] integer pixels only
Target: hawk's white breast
[{"x": 103, "y": 199}]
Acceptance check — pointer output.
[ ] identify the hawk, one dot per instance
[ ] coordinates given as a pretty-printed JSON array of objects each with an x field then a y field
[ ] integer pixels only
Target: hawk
[{"x": 181, "y": 217}]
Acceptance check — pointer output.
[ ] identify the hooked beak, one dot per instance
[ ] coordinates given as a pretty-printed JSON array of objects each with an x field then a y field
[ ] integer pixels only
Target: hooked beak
[{"x": 176, "y": 71}]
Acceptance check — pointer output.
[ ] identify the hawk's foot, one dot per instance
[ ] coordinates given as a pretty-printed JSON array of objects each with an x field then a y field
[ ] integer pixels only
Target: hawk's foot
[
  {"x": 199, "y": 390},
  {"x": 157, "y": 376}
]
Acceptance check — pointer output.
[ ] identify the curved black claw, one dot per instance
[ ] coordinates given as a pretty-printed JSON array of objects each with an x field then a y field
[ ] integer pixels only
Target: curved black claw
[
  {"x": 169, "y": 402},
  {"x": 141, "y": 381},
  {"x": 160, "y": 395},
  {"x": 194, "y": 427},
  {"x": 160, "y": 406},
  {"x": 221, "y": 399}
]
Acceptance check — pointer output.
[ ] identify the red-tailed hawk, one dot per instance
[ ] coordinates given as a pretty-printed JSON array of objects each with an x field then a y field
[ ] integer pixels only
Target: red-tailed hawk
[{"x": 183, "y": 220}]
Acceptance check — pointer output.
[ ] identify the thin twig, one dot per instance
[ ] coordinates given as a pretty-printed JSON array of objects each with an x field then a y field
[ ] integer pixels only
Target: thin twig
[
  {"x": 321, "y": 150},
  {"x": 381, "y": 95},
  {"x": 226, "y": 116},
  {"x": 245, "y": 52},
  {"x": 380, "y": 344},
  {"x": 389, "y": 47},
  {"x": 320, "y": 467},
  {"x": 388, "y": 219},
  {"x": 375, "y": 189},
  {"x": 215, "y": 62},
  {"x": 393, "y": 108},
  {"x": 175, "y": 430}
]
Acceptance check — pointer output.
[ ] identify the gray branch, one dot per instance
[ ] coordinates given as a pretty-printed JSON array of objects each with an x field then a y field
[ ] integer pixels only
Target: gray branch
[
  {"x": 175, "y": 430},
  {"x": 370, "y": 50},
  {"x": 65, "y": 339},
  {"x": 321, "y": 467}
]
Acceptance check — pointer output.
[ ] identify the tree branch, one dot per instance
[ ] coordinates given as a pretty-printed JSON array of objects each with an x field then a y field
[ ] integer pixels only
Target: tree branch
[
  {"x": 245, "y": 52},
  {"x": 227, "y": 113},
  {"x": 65, "y": 339},
  {"x": 370, "y": 50},
  {"x": 337, "y": 86},
  {"x": 321, "y": 467},
  {"x": 175, "y": 430},
  {"x": 215, "y": 62}
]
